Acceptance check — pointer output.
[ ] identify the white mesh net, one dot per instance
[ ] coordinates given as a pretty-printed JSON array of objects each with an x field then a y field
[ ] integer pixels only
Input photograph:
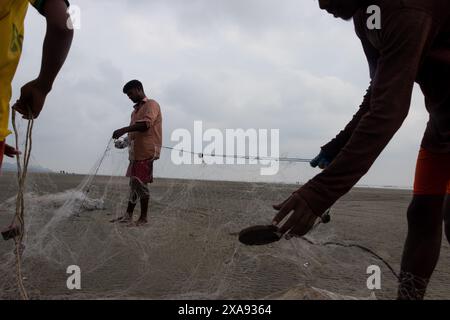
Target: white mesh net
[{"x": 189, "y": 249}]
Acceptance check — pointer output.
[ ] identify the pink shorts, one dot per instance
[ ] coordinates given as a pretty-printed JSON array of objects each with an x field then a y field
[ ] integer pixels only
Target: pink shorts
[{"x": 141, "y": 170}]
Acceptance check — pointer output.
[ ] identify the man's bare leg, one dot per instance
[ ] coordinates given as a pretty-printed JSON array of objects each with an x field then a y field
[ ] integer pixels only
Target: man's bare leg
[
  {"x": 144, "y": 210},
  {"x": 422, "y": 247},
  {"x": 144, "y": 195},
  {"x": 130, "y": 209},
  {"x": 128, "y": 216}
]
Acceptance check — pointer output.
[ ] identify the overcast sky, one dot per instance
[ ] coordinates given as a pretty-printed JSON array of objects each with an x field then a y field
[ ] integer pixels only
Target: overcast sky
[{"x": 262, "y": 64}]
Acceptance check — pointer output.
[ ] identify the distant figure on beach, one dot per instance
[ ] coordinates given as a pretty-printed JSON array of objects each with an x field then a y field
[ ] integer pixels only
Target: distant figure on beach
[
  {"x": 409, "y": 43},
  {"x": 144, "y": 142},
  {"x": 58, "y": 40}
]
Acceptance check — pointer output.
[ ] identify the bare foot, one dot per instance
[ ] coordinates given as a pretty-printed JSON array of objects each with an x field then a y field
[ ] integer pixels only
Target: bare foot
[
  {"x": 126, "y": 220},
  {"x": 122, "y": 219},
  {"x": 139, "y": 223}
]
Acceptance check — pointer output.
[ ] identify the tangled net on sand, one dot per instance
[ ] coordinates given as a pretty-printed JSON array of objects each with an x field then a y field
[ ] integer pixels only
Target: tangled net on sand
[{"x": 188, "y": 251}]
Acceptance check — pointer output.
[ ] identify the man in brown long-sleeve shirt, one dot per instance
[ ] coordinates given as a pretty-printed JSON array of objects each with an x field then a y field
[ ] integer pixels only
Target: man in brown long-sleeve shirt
[{"x": 412, "y": 45}]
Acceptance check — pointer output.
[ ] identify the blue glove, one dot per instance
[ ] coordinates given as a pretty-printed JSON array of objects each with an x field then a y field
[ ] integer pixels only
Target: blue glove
[{"x": 321, "y": 161}]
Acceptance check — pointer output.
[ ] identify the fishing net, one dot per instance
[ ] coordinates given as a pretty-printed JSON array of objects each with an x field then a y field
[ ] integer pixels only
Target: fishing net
[{"x": 190, "y": 247}]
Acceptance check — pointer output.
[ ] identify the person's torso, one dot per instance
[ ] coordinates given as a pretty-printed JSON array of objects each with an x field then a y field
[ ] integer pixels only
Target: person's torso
[
  {"x": 147, "y": 144},
  {"x": 434, "y": 73}
]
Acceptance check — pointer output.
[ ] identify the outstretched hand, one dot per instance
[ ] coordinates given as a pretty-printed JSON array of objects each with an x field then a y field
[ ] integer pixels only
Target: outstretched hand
[
  {"x": 11, "y": 151},
  {"x": 300, "y": 222},
  {"x": 118, "y": 133}
]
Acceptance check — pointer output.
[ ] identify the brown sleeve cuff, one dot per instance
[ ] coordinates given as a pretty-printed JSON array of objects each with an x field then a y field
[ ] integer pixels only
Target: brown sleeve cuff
[{"x": 309, "y": 197}]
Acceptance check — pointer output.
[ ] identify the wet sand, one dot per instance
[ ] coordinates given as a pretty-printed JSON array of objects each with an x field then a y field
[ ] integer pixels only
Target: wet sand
[{"x": 189, "y": 249}]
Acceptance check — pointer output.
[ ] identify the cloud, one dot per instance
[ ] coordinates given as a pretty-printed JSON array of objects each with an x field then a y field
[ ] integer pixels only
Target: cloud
[{"x": 232, "y": 64}]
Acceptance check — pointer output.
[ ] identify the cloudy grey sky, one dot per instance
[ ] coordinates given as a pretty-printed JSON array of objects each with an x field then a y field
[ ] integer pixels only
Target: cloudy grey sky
[{"x": 231, "y": 63}]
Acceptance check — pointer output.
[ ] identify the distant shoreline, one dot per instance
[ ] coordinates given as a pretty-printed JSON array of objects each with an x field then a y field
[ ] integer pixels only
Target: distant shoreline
[{"x": 400, "y": 188}]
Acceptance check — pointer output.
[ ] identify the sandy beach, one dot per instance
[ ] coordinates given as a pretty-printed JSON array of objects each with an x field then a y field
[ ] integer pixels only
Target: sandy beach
[{"x": 190, "y": 249}]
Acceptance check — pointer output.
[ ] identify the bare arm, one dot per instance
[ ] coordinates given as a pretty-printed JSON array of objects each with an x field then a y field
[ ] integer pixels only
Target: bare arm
[
  {"x": 138, "y": 127},
  {"x": 57, "y": 43}
]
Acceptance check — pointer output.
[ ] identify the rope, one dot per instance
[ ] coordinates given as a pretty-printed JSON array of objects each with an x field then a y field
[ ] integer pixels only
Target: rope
[
  {"x": 350, "y": 245},
  {"x": 202, "y": 155},
  {"x": 19, "y": 218},
  {"x": 345, "y": 245}
]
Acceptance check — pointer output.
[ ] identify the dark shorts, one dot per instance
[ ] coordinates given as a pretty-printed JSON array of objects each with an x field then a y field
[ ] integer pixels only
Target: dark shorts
[
  {"x": 432, "y": 173},
  {"x": 141, "y": 171}
]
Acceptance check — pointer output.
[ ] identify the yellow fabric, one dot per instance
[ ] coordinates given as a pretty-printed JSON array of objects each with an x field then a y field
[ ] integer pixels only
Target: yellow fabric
[{"x": 12, "y": 16}]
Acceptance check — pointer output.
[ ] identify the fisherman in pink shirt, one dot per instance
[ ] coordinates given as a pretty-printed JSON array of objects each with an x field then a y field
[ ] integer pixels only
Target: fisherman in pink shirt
[{"x": 144, "y": 142}]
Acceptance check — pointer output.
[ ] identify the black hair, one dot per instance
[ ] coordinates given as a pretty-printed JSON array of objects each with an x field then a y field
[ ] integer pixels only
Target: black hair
[{"x": 132, "y": 85}]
